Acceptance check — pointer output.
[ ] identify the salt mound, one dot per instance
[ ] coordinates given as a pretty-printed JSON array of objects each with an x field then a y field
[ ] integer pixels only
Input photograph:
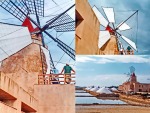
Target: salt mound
[
  {"x": 88, "y": 88},
  {"x": 94, "y": 89},
  {"x": 104, "y": 90},
  {"x": 114, "y": 89}
]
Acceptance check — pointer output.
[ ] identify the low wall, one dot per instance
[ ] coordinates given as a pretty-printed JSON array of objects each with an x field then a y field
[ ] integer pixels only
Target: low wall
[
  {"x": 55, "y": 98},
  {"x": 10, "y": 90},
  {"x": 7, "y": 109}
]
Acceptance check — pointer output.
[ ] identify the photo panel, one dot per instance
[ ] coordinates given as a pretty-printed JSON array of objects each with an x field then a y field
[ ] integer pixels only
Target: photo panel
[
  {"x": 112, "y": 84},
  {"x": 37, "y": 56},
  {"x": 112, "y": 27}
]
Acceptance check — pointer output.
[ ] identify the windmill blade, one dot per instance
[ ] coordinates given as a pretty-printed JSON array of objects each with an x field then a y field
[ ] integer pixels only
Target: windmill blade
[
  {"x": 49, "y": 60},
  {"x": 31, "y": 5},
  {"x": 126, "y": 19},
  {"x": 123, "y": 26},
  {"x": 63, "y": 24},
  {"x": 100, "y": 17},
  {"x": 9, "y": 6},
  {"x": 103, "y": 38},
  {"x": 54, "y": 21},
  {"x": 65, "y": 27},
  {"x": 12, "y": 39},
  {"x": 67, "y": 49},
  {"x": 21, "y": 12},
  {"x": 131, "y": 43},
  {"x": 109, "y": 14}
]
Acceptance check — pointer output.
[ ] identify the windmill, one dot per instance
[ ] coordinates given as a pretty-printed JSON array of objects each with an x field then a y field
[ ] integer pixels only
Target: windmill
[
  {"x": 112, "y": 30},
  {"x": 22, "y": 9},
  {"x": 129, "y": 74}
]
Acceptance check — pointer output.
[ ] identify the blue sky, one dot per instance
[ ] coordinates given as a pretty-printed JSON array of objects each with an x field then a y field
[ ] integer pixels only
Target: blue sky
[
  {"x": 110, "y": 70},
  {"x": 123, "y": 9},
  {"x": 51, "y": 9}
]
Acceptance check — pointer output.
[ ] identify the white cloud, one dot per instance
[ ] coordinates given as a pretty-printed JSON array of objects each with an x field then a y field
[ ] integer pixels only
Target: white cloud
[
  {"x": 101, "y": 80},
  {"x": 108, "y": 80},
  {"x": 143, "y": 78},
  {"x": 85, "y": 59},
  {"x": 125, "y": 59},
  {"x": 102, "y": 59}
]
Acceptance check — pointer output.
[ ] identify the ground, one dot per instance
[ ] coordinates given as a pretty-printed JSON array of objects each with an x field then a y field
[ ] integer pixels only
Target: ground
[{"x": 112, "y": 109}]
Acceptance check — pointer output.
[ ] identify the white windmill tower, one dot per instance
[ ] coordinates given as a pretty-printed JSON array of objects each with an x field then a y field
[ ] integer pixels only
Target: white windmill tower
[{"x": 113, "y": 31}]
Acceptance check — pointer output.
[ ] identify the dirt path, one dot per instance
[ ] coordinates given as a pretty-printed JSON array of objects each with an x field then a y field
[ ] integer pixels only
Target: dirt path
[{"x": 112, "y": 109}]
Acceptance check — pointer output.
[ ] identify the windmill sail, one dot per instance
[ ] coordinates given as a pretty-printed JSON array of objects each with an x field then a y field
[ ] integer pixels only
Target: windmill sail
[
  {"x": 46, "y": 53},
  {"x": 131, "y": 43},
  {"x": 12, "y": 39},
  {"x": 103, "y": 38},
  {"x": 110, "y": 14},
  {"x": 123, "y": 26},
  {"x": 100, "y": 17}
]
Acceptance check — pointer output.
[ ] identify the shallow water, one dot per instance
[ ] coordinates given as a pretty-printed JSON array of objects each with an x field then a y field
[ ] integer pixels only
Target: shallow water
[
  {"x": 84, "y": 94},
  {"x": 91, "y": 100}
]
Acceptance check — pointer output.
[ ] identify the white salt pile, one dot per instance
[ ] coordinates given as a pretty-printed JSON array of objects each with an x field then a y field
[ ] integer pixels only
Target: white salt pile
[{"x": 104, "y": 90}]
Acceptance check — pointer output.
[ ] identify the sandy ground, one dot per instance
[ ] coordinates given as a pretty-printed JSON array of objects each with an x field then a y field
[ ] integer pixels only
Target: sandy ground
[{"x": 112, "y": 109}]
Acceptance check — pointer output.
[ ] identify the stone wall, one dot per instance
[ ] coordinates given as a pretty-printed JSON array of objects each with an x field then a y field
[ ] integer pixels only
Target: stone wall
[{"x": 24, "y": 66}]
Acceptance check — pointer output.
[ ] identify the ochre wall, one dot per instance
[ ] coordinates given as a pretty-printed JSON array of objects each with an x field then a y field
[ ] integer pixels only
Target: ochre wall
[
  {"x": 87, "y": 32},
  {"x": 110, "y": 48},
  {"x": 55, "y": 98},
  {"x": 12, "y": 95},
  {"x": 19, "y": 79},
  {"x": 7, "y": 109},
  {"x": 125, "y": 87},
  {"x": 143, "y": 87},
  {"x": 24, "y": 66}
]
